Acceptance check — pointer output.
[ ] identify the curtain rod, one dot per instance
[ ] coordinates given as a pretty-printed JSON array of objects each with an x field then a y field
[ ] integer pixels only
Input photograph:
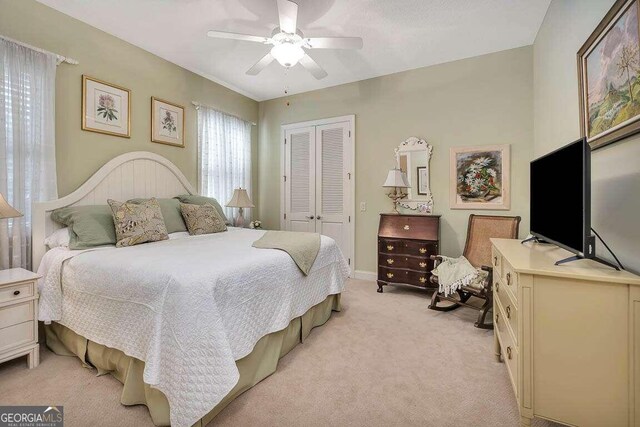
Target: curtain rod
[
  {"x": 61, "y": 58},
  {"x": 198, "y": 105}
]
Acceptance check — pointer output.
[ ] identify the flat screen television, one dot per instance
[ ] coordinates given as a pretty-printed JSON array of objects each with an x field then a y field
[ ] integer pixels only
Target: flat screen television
[{"x": 561, "y": 199}]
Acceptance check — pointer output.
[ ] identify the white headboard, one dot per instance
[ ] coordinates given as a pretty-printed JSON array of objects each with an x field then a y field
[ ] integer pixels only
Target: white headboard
[{"x": 138, "y": 174}]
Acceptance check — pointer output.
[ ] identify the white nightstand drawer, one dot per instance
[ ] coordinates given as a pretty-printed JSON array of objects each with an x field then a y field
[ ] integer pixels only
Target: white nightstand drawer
[
  {"x": 16, "y": 292},
  {"x": 17, "y": 335},
  {"x": 14, "y": 314}
]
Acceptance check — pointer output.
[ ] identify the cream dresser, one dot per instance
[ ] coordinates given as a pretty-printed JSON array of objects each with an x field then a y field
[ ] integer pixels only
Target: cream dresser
[
  {"x": 569, "y": 335},
  {"x": 19, "y": 316}
]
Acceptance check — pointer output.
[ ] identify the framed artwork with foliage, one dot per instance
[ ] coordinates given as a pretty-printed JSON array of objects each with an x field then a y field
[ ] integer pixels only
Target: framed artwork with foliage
[
  {"x": 480, "y": 177},
  {"x": 106, "y": 108},
  {"x": 167, "y": 122},
  {"x": 609, "y": 77}
]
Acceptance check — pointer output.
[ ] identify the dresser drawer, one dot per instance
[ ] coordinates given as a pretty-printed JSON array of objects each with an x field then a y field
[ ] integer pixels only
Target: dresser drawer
[
  {"x": 508, "y": 347},
  {"x": 397, "y": 275},
  {"x": 14, "y": 314},
  {"x": 391, "y": 246},
  {"x": 510, "y": 280},
  {"x": 17, "y": 335},
  {"x": 421, "y": 248},
  {"x": 509, "y": 308},
  {"x": 404, "y": 261},
  {"x": 17, "y": 291},
  {"x": 496, "y": 262}
]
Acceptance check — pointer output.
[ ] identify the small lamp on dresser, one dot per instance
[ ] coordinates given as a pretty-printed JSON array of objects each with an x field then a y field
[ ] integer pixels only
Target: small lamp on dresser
[
  {"x": 240, "y": 200},
  {"x": 396, "y": 179}
]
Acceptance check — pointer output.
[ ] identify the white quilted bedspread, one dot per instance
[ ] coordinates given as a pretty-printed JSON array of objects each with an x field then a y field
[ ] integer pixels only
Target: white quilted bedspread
[{"x": 188, "y": 307}]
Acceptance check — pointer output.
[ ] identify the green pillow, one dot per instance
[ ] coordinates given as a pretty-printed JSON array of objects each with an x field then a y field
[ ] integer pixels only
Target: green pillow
[
  {"x": 194, "y": 199},
  {"x": 170, "y": 209},
  {"x": 89, "y": 226}
]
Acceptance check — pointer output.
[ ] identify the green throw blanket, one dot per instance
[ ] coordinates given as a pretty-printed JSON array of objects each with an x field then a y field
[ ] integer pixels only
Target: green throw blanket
[{"x": 303, "y": 248}]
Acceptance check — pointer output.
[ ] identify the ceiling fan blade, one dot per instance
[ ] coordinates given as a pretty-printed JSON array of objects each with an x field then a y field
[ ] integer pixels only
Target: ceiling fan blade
[
  {"x": 288, "y": 14},
  {"x": 312, "y": 66},
  {"x": 235, "y": 36},
  {"x": 334, "y": 42},
  {"x": 260, "y": 65}
]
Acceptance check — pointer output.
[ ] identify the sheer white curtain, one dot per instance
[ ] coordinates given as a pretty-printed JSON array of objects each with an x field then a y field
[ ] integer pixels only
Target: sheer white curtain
[
  {"x": 27, "y": 143},
  {"x": 224, "y": 156}
]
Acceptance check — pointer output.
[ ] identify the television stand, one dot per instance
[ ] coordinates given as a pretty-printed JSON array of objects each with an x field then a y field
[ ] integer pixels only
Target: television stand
[
  {"x": 577, "y": 257},
  {"x": 533, "y": 239}
]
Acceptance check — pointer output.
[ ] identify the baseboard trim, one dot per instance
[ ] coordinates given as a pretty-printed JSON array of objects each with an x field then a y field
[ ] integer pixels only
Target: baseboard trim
[{"x": 366, "y": 275}]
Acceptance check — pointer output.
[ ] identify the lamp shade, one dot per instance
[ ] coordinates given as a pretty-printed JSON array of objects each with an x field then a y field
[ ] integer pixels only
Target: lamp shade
[
  {"x": 6, "y": 210},
  {"x": 396, "y": 178},
  {"x": 240, "y": 199}
]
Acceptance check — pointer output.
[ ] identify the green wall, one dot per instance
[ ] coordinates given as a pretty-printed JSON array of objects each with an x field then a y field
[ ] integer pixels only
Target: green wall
[
  {"x": 477, "y": 101},
  {"x": 80, "y": 153},
  {"x": 615, "y": 169}
]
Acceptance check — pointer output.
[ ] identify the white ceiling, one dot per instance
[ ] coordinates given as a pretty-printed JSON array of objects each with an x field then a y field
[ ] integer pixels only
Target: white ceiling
[{"x": 398, "y": 35}]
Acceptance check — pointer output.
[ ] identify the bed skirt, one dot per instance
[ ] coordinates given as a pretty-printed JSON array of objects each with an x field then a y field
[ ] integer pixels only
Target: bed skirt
[{"x": 253, "y": 368}]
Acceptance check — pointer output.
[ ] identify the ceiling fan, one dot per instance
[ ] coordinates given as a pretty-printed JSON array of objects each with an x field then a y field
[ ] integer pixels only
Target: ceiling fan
[{"x": 289, "y": 43}]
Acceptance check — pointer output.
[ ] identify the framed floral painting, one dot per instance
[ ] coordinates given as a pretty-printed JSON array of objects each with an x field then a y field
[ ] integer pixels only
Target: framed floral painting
[
  {"x": 480, "y": 177},
  {"x": 609, "y": 77},
  {"x": 105, "y": 108},
  {"x": 167, "y": 122}
]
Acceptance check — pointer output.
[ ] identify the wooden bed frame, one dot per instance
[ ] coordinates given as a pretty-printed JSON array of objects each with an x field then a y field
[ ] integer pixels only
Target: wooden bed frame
[{"x": 138, "y": 174}]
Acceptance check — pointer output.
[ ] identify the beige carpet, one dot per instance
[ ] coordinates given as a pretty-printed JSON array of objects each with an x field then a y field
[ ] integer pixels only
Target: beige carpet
[{"x": 385, "y": 360}]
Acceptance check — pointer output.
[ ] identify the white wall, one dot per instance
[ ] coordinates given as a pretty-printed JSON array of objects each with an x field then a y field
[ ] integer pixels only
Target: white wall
[{"x": 615, "y": 168}]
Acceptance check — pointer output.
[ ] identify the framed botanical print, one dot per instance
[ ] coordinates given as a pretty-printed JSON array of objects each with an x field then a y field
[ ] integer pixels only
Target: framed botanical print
[
  {"x": 609, "y": 77},
  {"x": 480, "y": 177},
  {"x": 106, "y": 108},
  {"x": 167, "y": 122},
  {"x": 423, "y": 180}
]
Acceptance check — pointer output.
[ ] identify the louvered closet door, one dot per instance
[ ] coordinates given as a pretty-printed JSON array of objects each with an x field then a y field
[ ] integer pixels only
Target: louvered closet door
[
  {"x": 301, "y": 184},
  {"x": 332, "y": 183}
]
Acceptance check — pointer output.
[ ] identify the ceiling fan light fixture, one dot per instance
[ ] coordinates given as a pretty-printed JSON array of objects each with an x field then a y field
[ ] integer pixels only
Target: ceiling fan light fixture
[{"x": 287, "y": 54}]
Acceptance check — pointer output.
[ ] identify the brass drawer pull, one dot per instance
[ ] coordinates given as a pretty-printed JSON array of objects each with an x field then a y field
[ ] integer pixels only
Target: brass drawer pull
[
  {"x": 389, "y": 275},
  {"x": 495, "y": 261},
  {"x": 389, "y": 247},
  {"x": 423, "y": 264},
  {"x": 508, "y": 312},
  {"x": 406, "y": 227},
  {"x": 509, "y": 353},
  {"x": 423, "y": 279},
  {"x": 423, "y": 250},
  {"x": 389, "y": 261},
  {"x": 16, "y": 292}
]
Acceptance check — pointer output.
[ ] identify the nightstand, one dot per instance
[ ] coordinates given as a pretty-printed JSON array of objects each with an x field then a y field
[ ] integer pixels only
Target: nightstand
[{"x": 19, "y": 316}]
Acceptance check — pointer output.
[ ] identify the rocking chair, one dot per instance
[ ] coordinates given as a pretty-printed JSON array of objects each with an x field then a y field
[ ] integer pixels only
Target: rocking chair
[{"x": 477, "y": 250}]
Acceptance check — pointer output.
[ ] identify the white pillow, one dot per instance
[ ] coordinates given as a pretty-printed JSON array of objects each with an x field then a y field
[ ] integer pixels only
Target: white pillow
[{"x": 59, "y": 238}]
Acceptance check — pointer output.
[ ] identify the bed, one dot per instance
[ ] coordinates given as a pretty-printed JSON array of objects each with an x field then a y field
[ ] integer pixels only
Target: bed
[{"x": 186, "y": 324}]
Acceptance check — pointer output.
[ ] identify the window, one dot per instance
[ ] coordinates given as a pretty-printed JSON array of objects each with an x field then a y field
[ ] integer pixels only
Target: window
[{"x": 224, "y": 155}]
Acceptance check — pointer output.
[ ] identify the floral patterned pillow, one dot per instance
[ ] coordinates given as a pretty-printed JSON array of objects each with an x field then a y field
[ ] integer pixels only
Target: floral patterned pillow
[
  {"x": 202, "y": 219},
  {"x": 138, "y": 222}
]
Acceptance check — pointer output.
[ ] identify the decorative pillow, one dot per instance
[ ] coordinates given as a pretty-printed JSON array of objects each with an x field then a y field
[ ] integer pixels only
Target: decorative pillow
[
  {"x": 59, "y": 238},
  {"x": 170, "y": 209},
  {"x": 137, "y": 223},
  {"x": 194, "y": 199},
  {"x": 89, "y": 226},
  {"x": 202, "y": 219}
]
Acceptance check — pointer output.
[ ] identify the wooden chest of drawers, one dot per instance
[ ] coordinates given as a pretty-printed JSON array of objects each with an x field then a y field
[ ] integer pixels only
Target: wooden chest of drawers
[{"x": 405, "y": 244}]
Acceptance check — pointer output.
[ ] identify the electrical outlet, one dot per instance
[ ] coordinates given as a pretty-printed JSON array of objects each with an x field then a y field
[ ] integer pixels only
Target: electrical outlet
[{"x": 363, "y": 206}]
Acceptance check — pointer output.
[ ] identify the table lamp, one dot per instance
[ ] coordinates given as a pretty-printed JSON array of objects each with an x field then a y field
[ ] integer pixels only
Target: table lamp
[
  {"x": 240, "y": 200},
  {"x": 6, "y": 210},
  {"x": 396, "y": 179}
]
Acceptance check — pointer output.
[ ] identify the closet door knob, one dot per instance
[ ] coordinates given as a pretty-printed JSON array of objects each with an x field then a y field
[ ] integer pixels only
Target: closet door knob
[
  {"x": 318, "y": 217},
  {"x": 310, "y": 217}
]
